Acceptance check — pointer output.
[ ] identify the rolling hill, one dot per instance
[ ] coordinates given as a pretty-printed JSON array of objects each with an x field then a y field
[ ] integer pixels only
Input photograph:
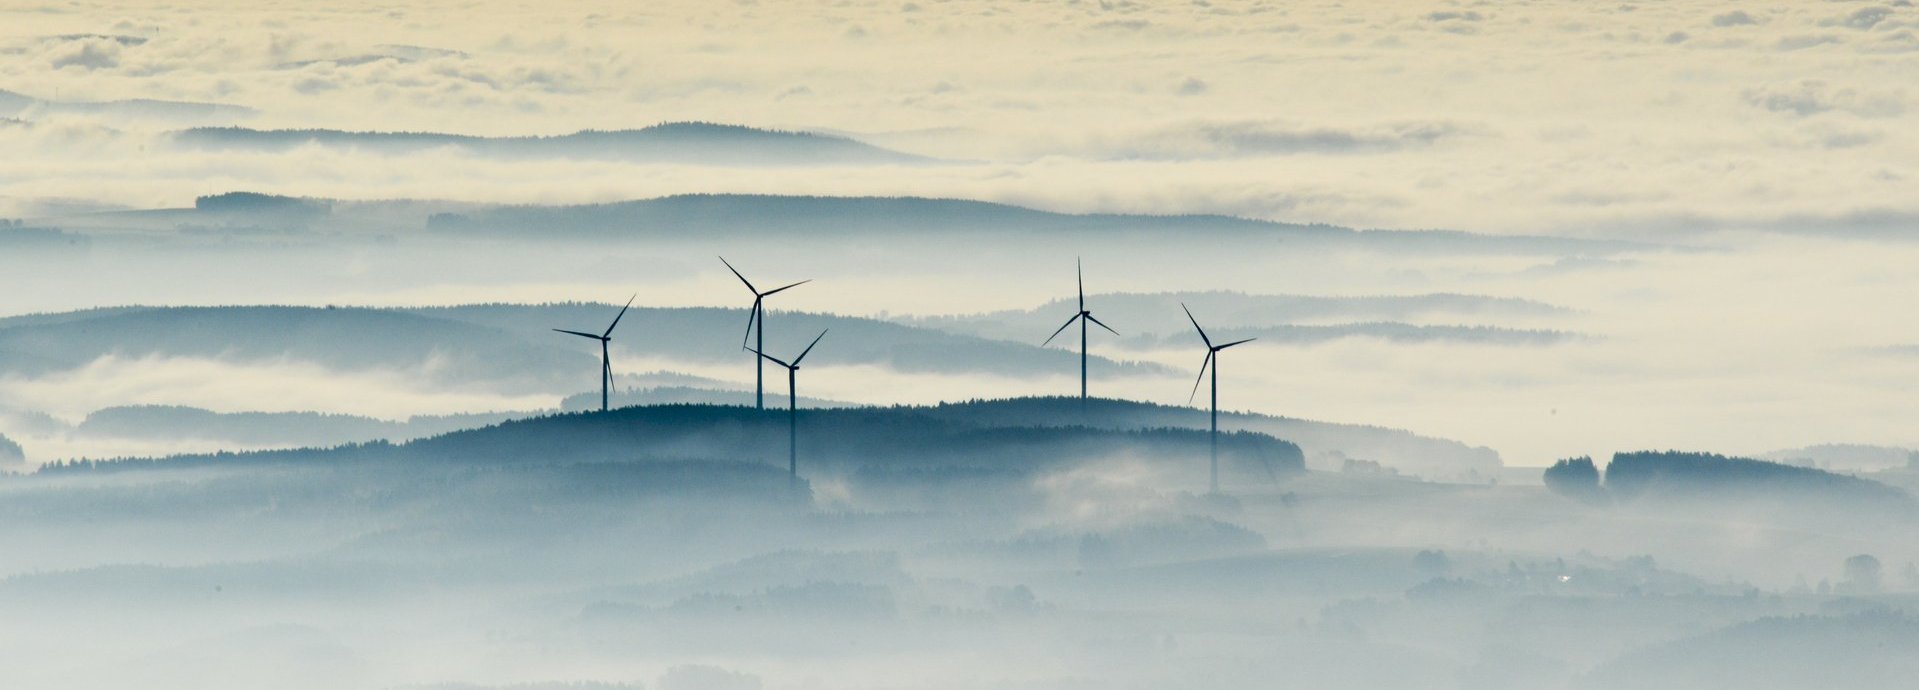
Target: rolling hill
[
  {"x": 883, "y": 447},
  {"x": 1159, "y": 313},
  {"x": 1325, "y": 444},
  {"x": 723, "y": 216},
  {"x": 508, "y": 346},
  {"x": 1668, "y": 475},
  {"x": 23, "y": 107}
]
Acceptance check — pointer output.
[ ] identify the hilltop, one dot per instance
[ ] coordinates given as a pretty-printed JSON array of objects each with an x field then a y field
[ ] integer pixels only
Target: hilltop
[
  {"x": 878, "y": 446},
  {"x": 1674, "y": 477},
  {"x": 1324, "y": 444}
]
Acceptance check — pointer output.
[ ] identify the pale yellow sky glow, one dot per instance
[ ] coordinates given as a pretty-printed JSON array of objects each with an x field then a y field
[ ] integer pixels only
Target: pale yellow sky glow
[{"x": 1689, "y": 122}]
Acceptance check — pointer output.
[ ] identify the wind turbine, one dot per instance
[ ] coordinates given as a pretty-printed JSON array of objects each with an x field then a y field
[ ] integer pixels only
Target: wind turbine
[
  {"x": 757, "y": 316},
  {"x": 792, "y": 404},
  {"x": 1082, "y": 317},
  {"x": 606, "y": 360},
  {"x": 1212, "y": 360}
]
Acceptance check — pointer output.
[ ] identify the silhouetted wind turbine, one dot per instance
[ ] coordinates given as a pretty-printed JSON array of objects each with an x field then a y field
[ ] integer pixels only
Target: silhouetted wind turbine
[
  {"x": 1212, "y": 359},
  {"x": 606, "y": 360},
  {"x": 757, "y": 315},
  {"x": 1082, "y": 317},
  {"x": 792, "y": 404}
]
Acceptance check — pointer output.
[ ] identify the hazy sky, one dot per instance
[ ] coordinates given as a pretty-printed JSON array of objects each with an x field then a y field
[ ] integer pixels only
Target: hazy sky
[
  {"x": 1543, "y": 116},
  {"x": 1639, "y": 120}
]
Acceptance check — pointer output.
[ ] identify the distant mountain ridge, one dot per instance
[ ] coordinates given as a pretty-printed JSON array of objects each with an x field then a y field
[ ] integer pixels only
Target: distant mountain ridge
[
  {"x": 1389, "y": 331},
  {"x": 709, "y": 217},
  {"x": 269, "y": 429},
  {"x": 678, "y": 142},
  {"x": 1847, "y": 457},
  {"x": 1676, "y": 477},
  {"x": 1157, "y": 319},
  {"x": 826, "y": 214},
  {"x": 1673, "y": 473},
  {"x": 505, "y": 345},
  {"x": 719, "y": 216},
  {"x": 27, "y": 108}
]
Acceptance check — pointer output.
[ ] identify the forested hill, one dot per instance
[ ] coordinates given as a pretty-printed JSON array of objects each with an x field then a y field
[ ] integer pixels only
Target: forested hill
[
  {"x": 747, "y": 216},
  {"x": 1672, "y": 473},
  {"x": 951, "y": 431},
  {"x": 1326, "y": 444},
  {"x": 1673, "y": 477},
  {"x": 891, "y": 444}
]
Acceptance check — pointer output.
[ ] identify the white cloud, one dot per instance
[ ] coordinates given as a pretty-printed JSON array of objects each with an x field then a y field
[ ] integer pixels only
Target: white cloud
[{"x": 1058, "y": 105}]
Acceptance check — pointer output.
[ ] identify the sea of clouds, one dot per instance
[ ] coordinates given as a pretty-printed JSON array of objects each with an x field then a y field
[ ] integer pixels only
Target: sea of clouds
[{"x": 1547, "y": 117}]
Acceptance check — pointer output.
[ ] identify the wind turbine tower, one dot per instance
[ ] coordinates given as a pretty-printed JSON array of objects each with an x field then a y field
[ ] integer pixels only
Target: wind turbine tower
[
  {"x": 1212, "y": 360},
  {"x": 1083, "y": 317},
  {"x": 606, "y": 360},
  {"x": 792, "y": 404}
]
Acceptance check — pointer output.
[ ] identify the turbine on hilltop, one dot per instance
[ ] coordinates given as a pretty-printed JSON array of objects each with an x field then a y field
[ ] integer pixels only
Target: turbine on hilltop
[
  {"x": 606, "y": 360},
  {"x": 1083, "y": 317},
  {"x": 757, "y": 317},
  {"x": 792, "y": 404},
  {"x": 1212, "y": 360}
]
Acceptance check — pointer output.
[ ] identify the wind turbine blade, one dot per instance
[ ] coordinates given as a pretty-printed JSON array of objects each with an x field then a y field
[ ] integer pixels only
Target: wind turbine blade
[
  {"x": 1062, "y": 329},
  {"x": 1202, "y": 376},
  {"x": 1202, "y": 331},
  {"x": 1109, "y": 329},
  {"x": 606, "y": 368},
  {"x": 752, "y": 314},
  {"x": 1079, "y": 268},
  {"x": 809, "y": 348},
  {"x": 622, "y": 315},
  {"x": 1236, "y": 342},
  {"x": 775, "y": 360},
  {"x": 594, "y": 336},
  {"x": 736, "y": 274},
  {"x": 776, "y": 291}
]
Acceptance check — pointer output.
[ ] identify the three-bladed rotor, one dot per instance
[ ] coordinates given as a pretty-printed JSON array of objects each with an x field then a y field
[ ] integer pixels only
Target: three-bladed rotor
[
  {"x": 606, "y": 358},
  {"x": 759, "y": 300},
  {"x": 1084, "y": 313},
  {"x": 1211, "y": 350},
  {"x": 795, "y": 364}
]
